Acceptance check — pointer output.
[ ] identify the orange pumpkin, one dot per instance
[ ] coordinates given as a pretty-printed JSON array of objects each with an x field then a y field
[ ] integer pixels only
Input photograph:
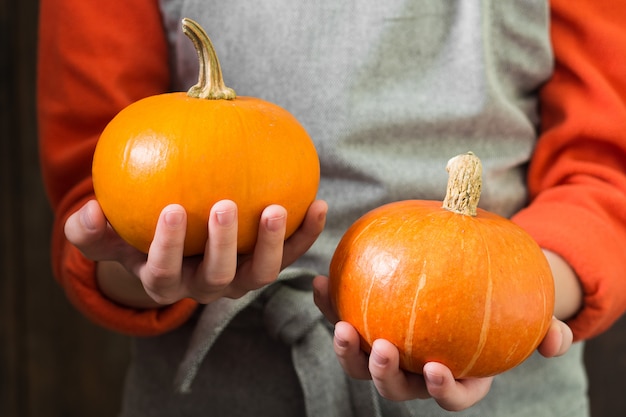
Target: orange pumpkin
[
  {"x": 198, "y": 148},
  {"x": 454, "y": 284}
]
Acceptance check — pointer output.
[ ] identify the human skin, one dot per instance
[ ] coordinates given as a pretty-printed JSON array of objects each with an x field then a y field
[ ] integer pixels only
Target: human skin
[
  {"x": 163, "y": 277},
  {"x": 131, "y": 278},
  {"x": 382, "y": 364}
]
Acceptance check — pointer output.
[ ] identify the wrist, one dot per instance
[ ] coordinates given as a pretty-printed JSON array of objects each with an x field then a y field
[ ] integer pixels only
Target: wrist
[
  {"x": 122, "y": 287},
  {"x": 568, "y": 290}
]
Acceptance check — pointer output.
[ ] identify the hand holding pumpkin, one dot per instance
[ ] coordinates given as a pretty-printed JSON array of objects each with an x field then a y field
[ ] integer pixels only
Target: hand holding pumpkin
[
  {"x": 169, "y": 164},
  {"x": 164, "y": 276},
  {"x": 441, "y": 297},
  {"x": 197, "y": 148},
  {"x": 382, "y": 365}
]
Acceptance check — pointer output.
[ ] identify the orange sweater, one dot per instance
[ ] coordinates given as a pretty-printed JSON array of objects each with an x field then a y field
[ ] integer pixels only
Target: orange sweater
[{"x": 577, "y": 178}]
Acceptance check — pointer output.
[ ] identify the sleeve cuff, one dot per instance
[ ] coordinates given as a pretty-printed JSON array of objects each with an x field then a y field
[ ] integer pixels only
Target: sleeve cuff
[
  {"x": 594, "y": 252},
  {"x": 82, "y": 290},
  {"x": 77, "y": 276}
]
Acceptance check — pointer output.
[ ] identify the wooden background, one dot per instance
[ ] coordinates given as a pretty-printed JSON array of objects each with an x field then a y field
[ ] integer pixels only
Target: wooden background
[{"x": 53, "y": 363}]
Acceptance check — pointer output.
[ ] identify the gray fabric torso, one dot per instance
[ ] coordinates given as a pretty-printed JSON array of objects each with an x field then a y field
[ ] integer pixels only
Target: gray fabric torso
[{"x": 388, "y": 91}]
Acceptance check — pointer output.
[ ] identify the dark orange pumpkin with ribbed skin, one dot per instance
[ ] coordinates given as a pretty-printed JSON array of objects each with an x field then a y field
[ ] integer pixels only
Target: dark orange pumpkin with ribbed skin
[
  {"x": 195, "y": 151},
  {"x": 473, "y": 292}
]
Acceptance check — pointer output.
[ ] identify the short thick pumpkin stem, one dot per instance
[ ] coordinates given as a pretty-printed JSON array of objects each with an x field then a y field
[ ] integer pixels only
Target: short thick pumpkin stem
[
  {"x": 210, "y": 81},
  {"x": 464, "y": 184}
]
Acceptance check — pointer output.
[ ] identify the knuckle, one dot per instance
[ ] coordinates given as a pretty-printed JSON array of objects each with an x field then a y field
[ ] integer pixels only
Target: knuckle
[
  {"x": 156, "y": 273},
  {"x": 161, "y": 284},
  {"x": 209, "y": 289},
  {"x": 219, "y": 281}
]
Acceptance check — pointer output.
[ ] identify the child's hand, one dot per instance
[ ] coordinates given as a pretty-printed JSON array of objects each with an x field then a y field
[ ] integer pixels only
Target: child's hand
[
  {"x": 382, "y": 364},
  {"x": 165, "y": 276}
]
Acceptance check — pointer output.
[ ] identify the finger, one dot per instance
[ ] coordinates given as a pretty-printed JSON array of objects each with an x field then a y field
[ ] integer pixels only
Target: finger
[
  {"x": 307, "y": 233},
  {"x": 347, "y": 345},
  {"x": 451, "y": 394},
  {"x": 392, "y": 382},
  {"x": 322, "y": 299},
  {"x": 87, "y": 229},
  {"x": 265, "y": 264},
  {"x": 557, "y": 341},
  {"x": 86, "y": 226},
  {"x": 161, "y": 274},
  {"x": 220, "y": 259}
]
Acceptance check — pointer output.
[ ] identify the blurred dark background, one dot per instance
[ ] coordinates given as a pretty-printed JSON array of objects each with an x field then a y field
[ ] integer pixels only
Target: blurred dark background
[{"x": 53, "y": 363}]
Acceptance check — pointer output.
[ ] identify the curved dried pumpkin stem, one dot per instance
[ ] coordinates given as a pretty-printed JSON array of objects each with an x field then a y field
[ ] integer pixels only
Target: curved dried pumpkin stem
[
  {"x": 464, "y": 184},
  {"x": 210, "y": 82}
]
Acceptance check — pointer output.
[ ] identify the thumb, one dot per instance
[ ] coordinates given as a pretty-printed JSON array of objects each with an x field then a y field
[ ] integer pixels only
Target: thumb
[{"x": 87, "y": 229}]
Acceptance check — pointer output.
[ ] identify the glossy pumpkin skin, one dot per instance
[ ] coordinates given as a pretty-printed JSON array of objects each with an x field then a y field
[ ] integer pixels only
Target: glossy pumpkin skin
[
  {"x": 473, "y": 293},
  {"x": 172, "y": 148}
]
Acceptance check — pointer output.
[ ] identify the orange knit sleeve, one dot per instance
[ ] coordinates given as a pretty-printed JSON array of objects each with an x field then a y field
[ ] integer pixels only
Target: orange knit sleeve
[
  {"x": 93, "y": 60},
  {"x": 577, "y": 176}
]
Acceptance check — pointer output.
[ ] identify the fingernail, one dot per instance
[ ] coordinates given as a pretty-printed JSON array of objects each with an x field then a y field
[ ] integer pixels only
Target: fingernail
[
  {"x": 173, "y": 218},
  {"x": 275, "y": 223},
  {"x": 225, "y": 218},
  {"x": 341, "y": 342},
  {"x": 316, "y": 293},
  {"x": 379, "y": 359},
  {"x": 86, "y": 221},
  {"x": 433, "y": 378}
]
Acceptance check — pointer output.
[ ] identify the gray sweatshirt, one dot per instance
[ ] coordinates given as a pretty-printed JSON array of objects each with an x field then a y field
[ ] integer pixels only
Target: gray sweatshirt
[{"x": 389, "y": 91}]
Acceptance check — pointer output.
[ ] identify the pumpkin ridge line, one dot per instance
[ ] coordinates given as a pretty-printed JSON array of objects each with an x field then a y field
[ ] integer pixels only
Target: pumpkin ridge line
[
  {"x": 540, "y": 333},
  {"x": 486, "y": 324},
  {"x": 366, "y": 300},
  {"x": 408, "y": 343}
]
